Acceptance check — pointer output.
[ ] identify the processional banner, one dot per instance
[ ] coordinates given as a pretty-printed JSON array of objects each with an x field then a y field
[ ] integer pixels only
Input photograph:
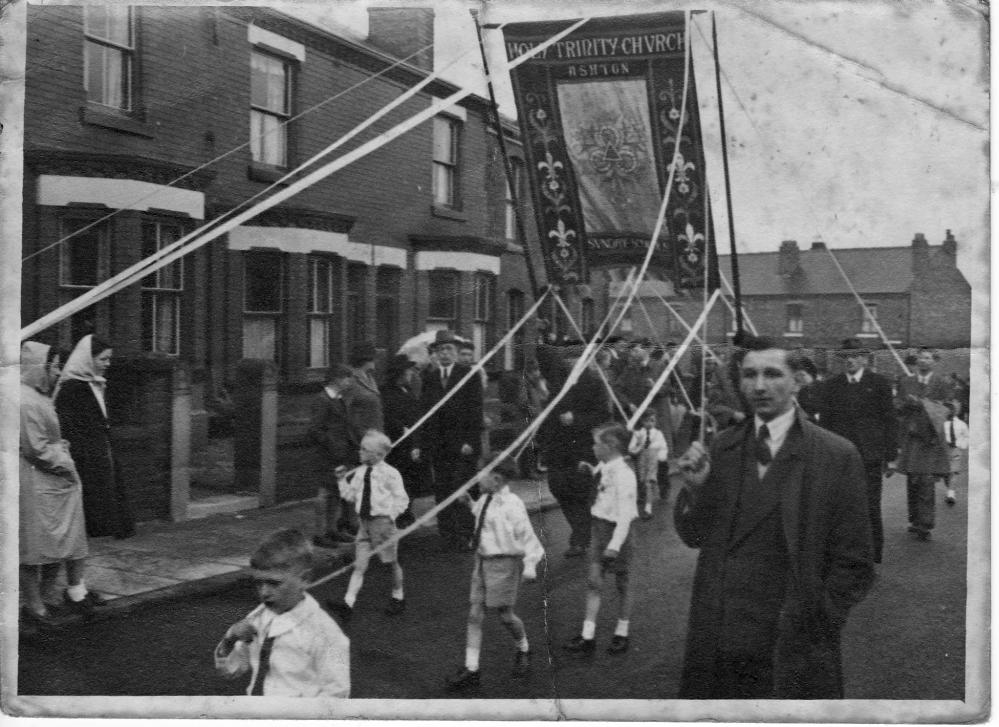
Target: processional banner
[{"x": 600, "y": 113}]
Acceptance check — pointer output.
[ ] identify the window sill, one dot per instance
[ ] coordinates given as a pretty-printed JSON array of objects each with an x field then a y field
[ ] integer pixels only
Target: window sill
[
  {"x": 117, "y": 120},
  {"x": 448, "y": 213},
  {"x": 867, "y": 335},
  {"x": 793, "y": 334},
  {"x": 260, "y": 172}
]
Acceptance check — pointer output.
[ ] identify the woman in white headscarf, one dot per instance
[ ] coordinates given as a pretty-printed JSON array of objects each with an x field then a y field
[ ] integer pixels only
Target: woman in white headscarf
[
  {"x": 51, "y": 505},
  {"x": 80, "y": 403}
]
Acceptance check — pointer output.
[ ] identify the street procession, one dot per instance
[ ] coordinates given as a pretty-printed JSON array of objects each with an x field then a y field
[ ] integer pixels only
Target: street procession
[{"x": 482, "y": 374}]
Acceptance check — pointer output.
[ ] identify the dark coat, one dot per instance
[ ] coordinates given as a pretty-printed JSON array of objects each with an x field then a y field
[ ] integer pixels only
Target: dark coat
[
  {"x": 105, "y": 501},
  {"x": 565, "y": 445},
  {"x": 337, "y": 426},
  {"x": 863, "y": 413},
  {"x": 823, "y": 512},
  {"x": 456, "y": 423},
  {"x": 402, "y": 409},
  {"x": 922, "y": 448}
]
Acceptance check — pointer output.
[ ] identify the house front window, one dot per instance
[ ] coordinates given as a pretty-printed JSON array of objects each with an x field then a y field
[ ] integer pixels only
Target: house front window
[
  {"x": 445, "y": 161},
  {"x": 263, "y": 304},
  {"x": 320, "y": 310},
  {"x": 512, "y": 196},
  {"x": 161, "y": 291},
  {"x": 485, "y": 296},
  {"x": 270, "y": 108},
  {"x": 387, "y": 284},
  {"x": 868, "y": 322},
  {"x": 357, "y": 276},
  {"x": 443, "y": 296},
  {"x": 795, "y": 324},
  {"x": 109, "y": 55},
  {"x": 514, "y": 354}
]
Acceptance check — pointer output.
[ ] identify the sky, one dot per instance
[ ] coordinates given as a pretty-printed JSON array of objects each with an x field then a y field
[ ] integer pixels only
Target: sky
[{"x": 858, "y": 122}]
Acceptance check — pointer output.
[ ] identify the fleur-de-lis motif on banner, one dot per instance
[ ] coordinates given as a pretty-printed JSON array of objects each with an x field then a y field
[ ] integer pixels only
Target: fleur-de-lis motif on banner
[
  {"x": 682, "y": 177},
  {"x": 562, "y": 236},
  {"x": 691, "y": 240}
]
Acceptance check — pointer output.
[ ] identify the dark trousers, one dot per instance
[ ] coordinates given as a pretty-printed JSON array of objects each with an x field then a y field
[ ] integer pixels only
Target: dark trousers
[
  {"x": 454, "y": 522},
  {"x": 571, "y": 490},
  {"x": 874, "y": 480},
  {"x": 921, "y": 491}
]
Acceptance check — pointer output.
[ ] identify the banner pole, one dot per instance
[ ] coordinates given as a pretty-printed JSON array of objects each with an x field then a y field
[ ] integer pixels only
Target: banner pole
[
  {"x": 737, "y": 292},
  {"x": 511, "y": 179}
]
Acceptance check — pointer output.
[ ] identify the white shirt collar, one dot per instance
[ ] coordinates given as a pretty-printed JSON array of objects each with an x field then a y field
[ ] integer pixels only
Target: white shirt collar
[
  {"x": 331, "y": 392},
  {"x": 855, "y": 377},
  {"x": 778, "y": 426}
]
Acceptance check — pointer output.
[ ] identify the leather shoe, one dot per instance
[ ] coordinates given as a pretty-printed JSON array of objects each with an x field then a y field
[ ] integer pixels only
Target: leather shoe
[
  {"x": 522, "y": 663},
  {"x": 395, "y": 607},
  {"x": 579, "y": 645},
  {"x": 951, "y": 498},
  {"x": 85, "y": 606},
  {"x": 618, "y": 645},
  {"x": 42, "y": 621},
  {"x": 463, "y": 679}
]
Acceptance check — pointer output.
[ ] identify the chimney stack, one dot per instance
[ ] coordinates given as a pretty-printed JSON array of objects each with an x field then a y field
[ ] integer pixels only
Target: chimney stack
[
  {"x": 401, "y": 32},
  {"x": 920, "y": 252},
  {"x": 949, "y": 246},
  {"x": 788, "y": 262}
]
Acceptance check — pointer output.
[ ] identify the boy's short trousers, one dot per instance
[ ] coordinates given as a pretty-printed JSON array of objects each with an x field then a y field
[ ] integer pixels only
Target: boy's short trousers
[
  {"x": 495, "y": 580},
  {"x": 601, "y": 533},
  {"x": 373, "y": 532}
]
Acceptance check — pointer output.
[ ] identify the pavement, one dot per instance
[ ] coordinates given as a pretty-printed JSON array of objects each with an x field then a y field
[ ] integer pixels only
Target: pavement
[{"x": 167, "y": 560}]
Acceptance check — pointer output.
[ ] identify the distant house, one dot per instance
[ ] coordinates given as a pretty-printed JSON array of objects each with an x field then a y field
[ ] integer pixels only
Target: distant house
[{"x": 916, "y": 293}]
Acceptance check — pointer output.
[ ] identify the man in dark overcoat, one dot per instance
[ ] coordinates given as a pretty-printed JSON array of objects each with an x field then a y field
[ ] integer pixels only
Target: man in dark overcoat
[
  {"x": 857, "y": 404},
  {"x": 452, "y": 437},
  {"x": 923, "y": 457},
  {"x": 779, "y": 512},
  {"x": 568, "y": 440},
  {"x": 402, "y": 410}
]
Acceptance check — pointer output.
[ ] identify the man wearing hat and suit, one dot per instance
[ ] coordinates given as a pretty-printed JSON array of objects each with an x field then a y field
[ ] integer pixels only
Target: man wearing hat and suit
[
  {"x": 402, "y": 409},
  {"x": 452, "y": 437},
  {"x": 857, "y": 405},
  {"x": 923, "y": 457}
]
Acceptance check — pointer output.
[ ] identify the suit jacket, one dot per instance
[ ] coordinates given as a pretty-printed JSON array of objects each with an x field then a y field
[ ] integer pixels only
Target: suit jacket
[
  {"x": 863, "y": 412},
  {"x": 922, "y": 446},
  {"x": 365, "y": 404},
  {"x": 822, "y": 504},
  {"x": 456, "y": 423}
]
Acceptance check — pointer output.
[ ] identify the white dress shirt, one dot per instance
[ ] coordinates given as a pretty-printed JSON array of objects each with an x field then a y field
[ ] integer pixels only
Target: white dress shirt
[
  {"x": 507, "y": 529},
  {"x": 778, "y": 427},
  {"x": 616, "y": 500},
  {"x": 388, "y": 495},
  {"x": 310, "y": 656},
  {"x": 657, "y": 443}
]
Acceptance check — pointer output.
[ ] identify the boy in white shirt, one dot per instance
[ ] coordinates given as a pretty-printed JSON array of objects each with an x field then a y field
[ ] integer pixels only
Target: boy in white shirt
[
  {"x": 377, "y": 490},
  {"x": 956, "y": 434},
  {"x": 649, "y": 449},
  {"x": 506, "y": 548},
  {"x": 610, "y": 543},
  {"x": 289, "y": 645}
]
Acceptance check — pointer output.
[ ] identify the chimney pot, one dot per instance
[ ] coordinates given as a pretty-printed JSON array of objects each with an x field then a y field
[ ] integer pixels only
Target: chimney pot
[
  {"x": 788, "y": 261},
  {"x": 949, "y": 246}
]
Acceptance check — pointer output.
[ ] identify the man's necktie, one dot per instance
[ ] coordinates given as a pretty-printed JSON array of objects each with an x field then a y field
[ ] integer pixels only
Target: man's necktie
[
  {"x": 444, "y": 378},
  {"x": 366, "y": 493},
  {"x": 952, "y": 438},
  {"x": 648, "y": 439},
  {"x": 763, "y": 455},
  {"x": 265, "y": 665},
  {"x": 482, "y": 519}
]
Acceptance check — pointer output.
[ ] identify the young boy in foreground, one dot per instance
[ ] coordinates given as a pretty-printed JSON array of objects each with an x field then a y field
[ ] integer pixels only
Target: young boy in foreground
[
  {"x": 506, "y": 548},
  {"x": 289, "y": 644}
]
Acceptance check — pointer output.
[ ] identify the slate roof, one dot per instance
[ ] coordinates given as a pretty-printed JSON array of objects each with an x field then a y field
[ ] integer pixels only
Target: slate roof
[{"x": 871, "y": 270}]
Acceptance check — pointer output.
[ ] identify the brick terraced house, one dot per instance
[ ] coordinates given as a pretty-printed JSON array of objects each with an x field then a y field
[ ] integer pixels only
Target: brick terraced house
[{"x": 144, "y": 123}]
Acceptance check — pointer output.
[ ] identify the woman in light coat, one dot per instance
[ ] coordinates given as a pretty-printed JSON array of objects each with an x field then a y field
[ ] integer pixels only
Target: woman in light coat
[
  {"x": 51, "y": 505},
  {"x": 80, "y": 403}
]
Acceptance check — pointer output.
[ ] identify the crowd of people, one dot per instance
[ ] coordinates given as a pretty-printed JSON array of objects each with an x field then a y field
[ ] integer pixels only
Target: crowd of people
[{"x": 781, "y": 473}]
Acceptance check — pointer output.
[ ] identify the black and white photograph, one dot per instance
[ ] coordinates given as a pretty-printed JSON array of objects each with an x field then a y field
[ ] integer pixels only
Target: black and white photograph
[{"x": 495, "y": 360}]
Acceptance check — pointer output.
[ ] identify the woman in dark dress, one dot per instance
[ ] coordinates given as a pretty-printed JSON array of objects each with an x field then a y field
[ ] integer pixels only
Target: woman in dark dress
[{"x": 80, "y": 404}]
